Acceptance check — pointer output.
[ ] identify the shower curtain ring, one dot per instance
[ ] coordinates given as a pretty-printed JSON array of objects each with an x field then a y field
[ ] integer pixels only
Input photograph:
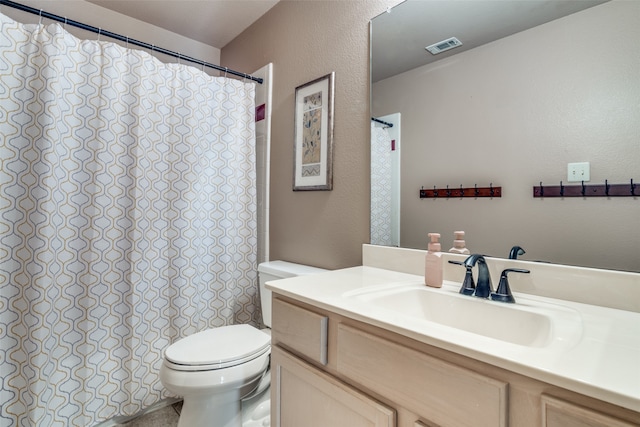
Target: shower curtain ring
[
  {"x": 127, "y": 42},
  {"x": 64, "y": 26},
  {"x": 40, "y": 22},
  {"x": 99, "y": 33},
  {"x": 225, "y": 72}
]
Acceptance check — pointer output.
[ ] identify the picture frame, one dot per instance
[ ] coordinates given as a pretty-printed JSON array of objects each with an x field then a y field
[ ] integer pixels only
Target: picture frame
[{"x": 313, "y": 140}]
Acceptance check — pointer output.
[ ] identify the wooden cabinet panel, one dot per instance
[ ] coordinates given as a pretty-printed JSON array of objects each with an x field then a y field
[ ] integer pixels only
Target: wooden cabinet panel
[
  {"x": 303, "y": 331},
  {"x": 302, "y": 395},
  {"x": 558, "y": 413},
  {"x": 438, "y": 391}
]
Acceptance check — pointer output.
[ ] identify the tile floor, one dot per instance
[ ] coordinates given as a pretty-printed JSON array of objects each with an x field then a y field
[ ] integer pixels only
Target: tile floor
[
  {"x": 163, "y": 417},
  {"x": 255, "y": 413}
]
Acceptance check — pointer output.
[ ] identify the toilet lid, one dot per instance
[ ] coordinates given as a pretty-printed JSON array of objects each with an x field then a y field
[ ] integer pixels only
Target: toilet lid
[{"x": 218, "y": 348}]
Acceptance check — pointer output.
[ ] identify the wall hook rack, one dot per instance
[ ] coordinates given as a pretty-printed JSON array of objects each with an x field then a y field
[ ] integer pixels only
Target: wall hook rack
[
  {"x": 587, "y": 190},
  {"x": 448, "y": 193}
]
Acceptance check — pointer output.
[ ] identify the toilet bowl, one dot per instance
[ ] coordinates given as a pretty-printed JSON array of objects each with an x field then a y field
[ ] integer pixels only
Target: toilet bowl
[{"x": 214, "y": 370}]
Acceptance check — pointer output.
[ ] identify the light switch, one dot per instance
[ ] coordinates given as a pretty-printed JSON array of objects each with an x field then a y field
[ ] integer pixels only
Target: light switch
[{"x": 577, "y": 172}]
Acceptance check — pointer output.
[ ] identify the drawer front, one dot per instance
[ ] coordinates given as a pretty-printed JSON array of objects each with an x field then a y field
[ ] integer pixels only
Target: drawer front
[
  {"x": 438, "y": 391},
  {"x": 558, "y": 413},
  {"x": 301, "y": 330}
]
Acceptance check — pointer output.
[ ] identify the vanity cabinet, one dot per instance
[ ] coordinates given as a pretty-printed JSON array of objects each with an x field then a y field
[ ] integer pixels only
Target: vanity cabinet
[{"x": 329, "y": 370}]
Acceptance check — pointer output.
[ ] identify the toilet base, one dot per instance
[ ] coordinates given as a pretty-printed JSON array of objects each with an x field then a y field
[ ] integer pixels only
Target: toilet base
[
  {"x": 222, "y": 409},
  {"x": 205, "y": 411}
]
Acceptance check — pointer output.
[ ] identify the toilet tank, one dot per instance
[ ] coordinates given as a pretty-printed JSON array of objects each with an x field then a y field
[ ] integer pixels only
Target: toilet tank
[{"x": 274, "y": 270}]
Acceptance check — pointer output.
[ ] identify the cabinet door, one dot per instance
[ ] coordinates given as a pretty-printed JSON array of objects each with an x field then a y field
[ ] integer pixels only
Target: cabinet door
[
  {"x": 302, "y": 395},
  {"x": 558, "y": 413}
]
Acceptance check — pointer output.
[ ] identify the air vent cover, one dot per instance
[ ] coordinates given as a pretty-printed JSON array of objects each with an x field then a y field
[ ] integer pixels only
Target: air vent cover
[{"x": 447, "y": 44}]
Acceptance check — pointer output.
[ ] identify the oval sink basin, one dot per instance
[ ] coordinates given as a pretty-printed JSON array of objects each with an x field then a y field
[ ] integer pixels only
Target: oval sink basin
[{"x": 523, "y": 323}]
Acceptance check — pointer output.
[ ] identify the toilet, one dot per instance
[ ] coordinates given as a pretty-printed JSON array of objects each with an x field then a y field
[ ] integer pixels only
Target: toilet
[{"x": 217, "y": 369}]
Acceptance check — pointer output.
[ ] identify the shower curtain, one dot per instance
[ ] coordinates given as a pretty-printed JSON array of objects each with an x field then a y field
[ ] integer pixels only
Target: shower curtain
[
  {"x": 127, "y": 221},
  {"x": 381, "y": 186}
]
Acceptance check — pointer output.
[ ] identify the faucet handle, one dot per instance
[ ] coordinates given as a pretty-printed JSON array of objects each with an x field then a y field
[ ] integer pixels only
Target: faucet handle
[
  {"x": 468, "y": 285},
  {"x": 503, "y": 293}
]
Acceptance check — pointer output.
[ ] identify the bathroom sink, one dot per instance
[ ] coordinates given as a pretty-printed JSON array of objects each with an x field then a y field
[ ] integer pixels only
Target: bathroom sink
[{"x": 529, "y": 323}]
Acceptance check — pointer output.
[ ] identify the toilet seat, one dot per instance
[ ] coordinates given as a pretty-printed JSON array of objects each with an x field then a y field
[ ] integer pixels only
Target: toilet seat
[{"x": 217, "y": 348}]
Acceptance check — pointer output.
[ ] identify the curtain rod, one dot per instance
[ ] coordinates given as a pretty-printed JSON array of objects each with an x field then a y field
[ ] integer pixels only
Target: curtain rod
[
  {"x": 383, "y": 122},
  {"x": 128, "y": 40}
]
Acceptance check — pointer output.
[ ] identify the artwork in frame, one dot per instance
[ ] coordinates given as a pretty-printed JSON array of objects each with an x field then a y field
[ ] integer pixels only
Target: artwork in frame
[{"x": 313, "y": 149}]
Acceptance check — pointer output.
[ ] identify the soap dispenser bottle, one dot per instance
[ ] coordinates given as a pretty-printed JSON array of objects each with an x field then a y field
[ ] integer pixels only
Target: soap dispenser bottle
[
  {"x": 459, "y": 245},
  {"x": 433, "y": 262}
]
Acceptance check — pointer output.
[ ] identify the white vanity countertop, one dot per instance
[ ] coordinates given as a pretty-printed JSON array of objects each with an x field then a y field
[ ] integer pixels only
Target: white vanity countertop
[{"x": 603, "y": 361}]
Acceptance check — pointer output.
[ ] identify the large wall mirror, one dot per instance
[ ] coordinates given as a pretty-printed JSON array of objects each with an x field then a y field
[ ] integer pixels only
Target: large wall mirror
[{"x": 534, "y": 85}]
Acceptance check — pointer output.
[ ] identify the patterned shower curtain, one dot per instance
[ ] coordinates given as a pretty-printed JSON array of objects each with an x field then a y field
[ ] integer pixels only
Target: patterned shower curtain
[
  {"x": 127, "y": 221},
  {"x": 381, "y": 189}
]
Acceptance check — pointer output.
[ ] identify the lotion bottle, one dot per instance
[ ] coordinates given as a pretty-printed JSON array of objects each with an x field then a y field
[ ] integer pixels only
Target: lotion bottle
[
  {"x": 459, "y": 245},
  {"x": 433, "y": 262}
]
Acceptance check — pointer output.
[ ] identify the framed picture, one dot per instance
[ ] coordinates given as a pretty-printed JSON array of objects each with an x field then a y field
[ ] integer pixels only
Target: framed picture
[{"x": 313, "y": 149}]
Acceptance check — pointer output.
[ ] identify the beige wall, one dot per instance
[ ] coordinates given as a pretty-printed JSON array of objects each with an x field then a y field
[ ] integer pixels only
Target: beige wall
[
  {"x": 306, "y": 40},
  {"x": 514, "y": 113}
]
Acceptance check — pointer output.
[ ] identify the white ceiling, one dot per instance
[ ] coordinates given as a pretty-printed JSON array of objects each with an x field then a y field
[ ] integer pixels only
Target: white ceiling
[
  {"x": 399, "y": 37},
  {"x": 214, "y": 22}
]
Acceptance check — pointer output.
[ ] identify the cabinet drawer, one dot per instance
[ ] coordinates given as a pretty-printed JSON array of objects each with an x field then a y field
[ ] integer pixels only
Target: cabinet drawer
[
  {"x": 436, "y": 390},
  {"x": 558, "y": 413},
  {"x": 301, "y": 330}
]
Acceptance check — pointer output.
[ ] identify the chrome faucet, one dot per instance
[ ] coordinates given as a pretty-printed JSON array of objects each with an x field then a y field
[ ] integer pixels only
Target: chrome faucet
[{"x": 483, "y": 285}]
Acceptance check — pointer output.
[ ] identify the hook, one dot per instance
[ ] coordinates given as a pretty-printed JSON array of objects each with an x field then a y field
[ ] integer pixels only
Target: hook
[
  {"x": 461, "y": 191},
  {"x": 491, "y": 191},
  {"x": 561, "y": 189},
  {"x": 541, "y": 190},
  {"x": 606, "y": 187},
  {"x": 448, "y": 192},
  {"x": 633, "y": 188},
  {"x": 583, "y": 188},
  {"x": 435, "y": 191},
  {"x": 477, "y": 192}
]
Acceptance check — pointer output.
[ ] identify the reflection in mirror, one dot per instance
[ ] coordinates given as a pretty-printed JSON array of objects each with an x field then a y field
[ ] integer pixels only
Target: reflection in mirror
[
  {"x": 512, "y": 107},
  {"x": 385, "y": 180}
]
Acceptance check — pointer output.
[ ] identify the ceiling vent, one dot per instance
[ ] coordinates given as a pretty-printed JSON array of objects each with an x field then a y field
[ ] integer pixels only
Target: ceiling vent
[{"x": 447, "y": 44}]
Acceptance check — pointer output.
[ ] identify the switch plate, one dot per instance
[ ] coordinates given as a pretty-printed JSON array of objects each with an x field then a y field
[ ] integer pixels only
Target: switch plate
[{"x": 577, "y": 172}]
